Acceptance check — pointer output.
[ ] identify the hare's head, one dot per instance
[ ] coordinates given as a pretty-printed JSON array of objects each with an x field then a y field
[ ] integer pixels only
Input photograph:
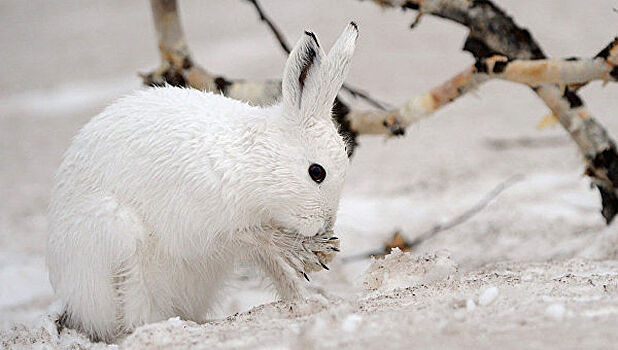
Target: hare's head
[{"x": 311, "y": 158}]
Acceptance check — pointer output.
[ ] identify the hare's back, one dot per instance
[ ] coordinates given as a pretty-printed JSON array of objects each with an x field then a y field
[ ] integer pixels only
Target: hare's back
[
  {"x": 160, "y": 144},
  {"x": 157, "y": 123},
  {"x": 170, "y": 110}
]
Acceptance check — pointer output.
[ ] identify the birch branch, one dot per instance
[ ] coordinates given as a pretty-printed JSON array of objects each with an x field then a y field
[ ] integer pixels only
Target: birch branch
[
  {"x": 609, "y": 53},
  {"x": 493, "y": 32},
  {"x": 419, "y": 107},
  {"x": 178, "y": 69},
  {"x": 530, "y": 72},
  {"x": 571, "y": 71}
]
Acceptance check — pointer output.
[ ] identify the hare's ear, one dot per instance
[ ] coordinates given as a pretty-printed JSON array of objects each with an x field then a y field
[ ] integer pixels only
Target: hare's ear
[
  {"x": 302, "y": 70},
  {"x": 311, "y": 79},
  {"x": 338, "y": 60}
]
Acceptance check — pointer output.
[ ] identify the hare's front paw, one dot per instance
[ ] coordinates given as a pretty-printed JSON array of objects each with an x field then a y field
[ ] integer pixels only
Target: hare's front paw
[
  {"x": 309, "y": 254},
  {"x": 324, "y": 247}
]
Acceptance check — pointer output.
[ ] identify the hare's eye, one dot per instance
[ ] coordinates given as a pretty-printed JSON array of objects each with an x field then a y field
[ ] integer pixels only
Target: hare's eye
[{"x": 317, "y": 173}]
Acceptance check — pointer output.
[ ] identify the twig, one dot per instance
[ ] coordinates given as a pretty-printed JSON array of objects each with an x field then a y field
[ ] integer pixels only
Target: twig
[
  {"x": 436, "y": 229},
  {"x": 521, "y": 71},
  {"x": 417, "y": 20},
  {"x": 501, "y": 144},
  {"x": 468, "y": 213},
  {"x": 356, "y": 93},
  {"x": 272, "y": 26}
]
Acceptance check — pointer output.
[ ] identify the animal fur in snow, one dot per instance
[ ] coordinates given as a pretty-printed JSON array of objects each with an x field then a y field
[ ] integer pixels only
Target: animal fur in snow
[{"x": 160, "y": 195}]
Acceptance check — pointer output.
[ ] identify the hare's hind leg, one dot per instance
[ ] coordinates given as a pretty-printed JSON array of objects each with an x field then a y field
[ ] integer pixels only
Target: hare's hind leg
[{"x": 91, "y": 259}]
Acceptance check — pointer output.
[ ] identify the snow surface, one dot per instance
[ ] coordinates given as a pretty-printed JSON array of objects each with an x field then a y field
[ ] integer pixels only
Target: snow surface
[{"x": 537, "y": 268}]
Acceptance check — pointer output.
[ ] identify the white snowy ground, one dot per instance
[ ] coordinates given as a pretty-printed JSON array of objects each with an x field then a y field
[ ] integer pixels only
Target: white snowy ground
[{"x": 537, "y": 268}]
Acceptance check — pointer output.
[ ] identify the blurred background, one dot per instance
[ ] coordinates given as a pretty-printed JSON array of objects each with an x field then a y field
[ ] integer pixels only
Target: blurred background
[{"x": 64, "y": 61}]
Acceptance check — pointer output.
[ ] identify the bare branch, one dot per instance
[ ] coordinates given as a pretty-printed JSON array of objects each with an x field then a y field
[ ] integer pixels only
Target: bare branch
[
  {"x": 418, "y": 107},
  {"x": 178, "y": 69},
  {"x": 529, "y": 72},
  {"x": 172, "y": 45},
  {"x": 409, "y": 245},
  {"x": 493, "y": 32},
  {"x": 363, "y": 95},
  {"x": 549, "y": 71},
  {"x": 465, "y": 216},
  {"x": 272, "y": 26}
]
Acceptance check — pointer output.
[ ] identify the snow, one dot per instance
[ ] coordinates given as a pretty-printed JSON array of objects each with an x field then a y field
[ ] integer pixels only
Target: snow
[
  {"x": 609, "y": 311},
  {"x": 470, "y": 305},
  {"x": 401, "y": 270},
  {"x": 351, "y": 323},
  {"x": 537, "y": 268},
  {"x": 555, "y": 312},
  {"x": 28, "y": 280},
  {"x": 67, "y": 98},
  {"x": 488, "y": 296}
]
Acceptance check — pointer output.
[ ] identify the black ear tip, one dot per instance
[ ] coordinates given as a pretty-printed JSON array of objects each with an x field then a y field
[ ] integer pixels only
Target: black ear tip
[
  {"x": 353, "y": 24},
  {"x": 312, "y": 37}
]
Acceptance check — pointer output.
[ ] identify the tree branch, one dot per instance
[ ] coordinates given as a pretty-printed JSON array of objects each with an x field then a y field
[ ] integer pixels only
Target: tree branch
[
  {"x": 178, "y": 69},
  {"x": 273, "y": 28},
  {"x": 571, "y": 71},
  {"x": 395, "y": 121},
  {"x": 493, "y": 32},
  {"x": 529, "y": 72},
  {"x": 409, "y": 245}
]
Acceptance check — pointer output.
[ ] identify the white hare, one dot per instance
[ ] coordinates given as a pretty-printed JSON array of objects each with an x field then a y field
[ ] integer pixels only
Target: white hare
[{"x": 164, "y": 191}]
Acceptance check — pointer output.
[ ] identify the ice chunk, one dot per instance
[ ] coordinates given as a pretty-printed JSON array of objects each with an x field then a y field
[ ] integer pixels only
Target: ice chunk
[
  {"x": 470, "y": 305},
  {"x": 351, "y": 323},
  {"x": 555, "y": 311},
  {"x": 488, "y": 296}
]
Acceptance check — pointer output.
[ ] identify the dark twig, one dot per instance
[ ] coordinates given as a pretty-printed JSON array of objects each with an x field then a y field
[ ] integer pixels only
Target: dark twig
[
  {"x": 417, "y": 19},
  {"x": 272, "y": 26},
  {"x": 438, "y": 228},
  {"x": 501, "y": 144},
  {"x": 356, "y": 93},
  {"x": 468, "y": 213}
]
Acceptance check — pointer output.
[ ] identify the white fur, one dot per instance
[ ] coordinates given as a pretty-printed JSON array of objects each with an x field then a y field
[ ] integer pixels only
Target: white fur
[{"x": 164, "y": 191}]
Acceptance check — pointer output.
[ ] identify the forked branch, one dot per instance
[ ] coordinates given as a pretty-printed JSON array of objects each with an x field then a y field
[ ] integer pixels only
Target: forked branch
[{"x": 493, "y": 32}]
